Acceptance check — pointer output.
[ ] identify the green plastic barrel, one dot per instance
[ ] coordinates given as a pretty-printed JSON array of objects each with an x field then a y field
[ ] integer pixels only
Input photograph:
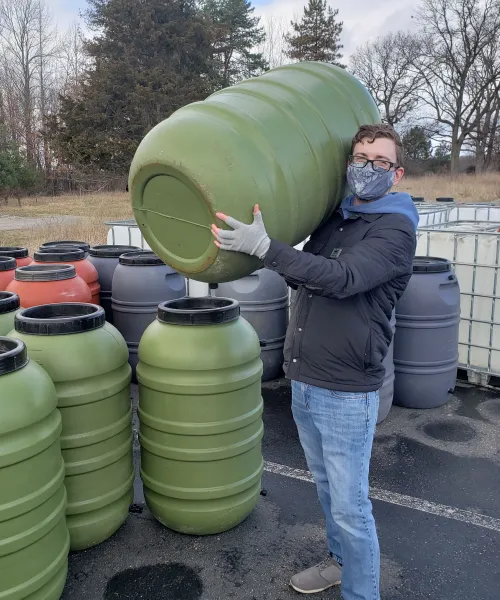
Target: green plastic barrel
[
  {"x": 280, "y": 140},
  {"x": 34, "y": 538},
  {"x": 9, "y": 305},
  {"x": 87, "y": 360},
  {"x": 200, "y": 410}
]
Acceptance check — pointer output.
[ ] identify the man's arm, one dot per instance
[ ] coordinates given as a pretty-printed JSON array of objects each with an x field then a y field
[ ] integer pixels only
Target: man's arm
[{"x": 383, "y": 255}]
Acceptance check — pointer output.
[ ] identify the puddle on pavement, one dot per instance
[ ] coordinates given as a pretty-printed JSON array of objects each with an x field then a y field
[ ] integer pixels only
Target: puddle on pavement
[
  {"x": 449, "y": 431},
  {"x": 157, "y": 582}
]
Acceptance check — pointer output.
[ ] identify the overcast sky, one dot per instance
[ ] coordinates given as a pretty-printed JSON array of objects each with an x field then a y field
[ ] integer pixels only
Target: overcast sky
[{"x": 363, "y": 19}]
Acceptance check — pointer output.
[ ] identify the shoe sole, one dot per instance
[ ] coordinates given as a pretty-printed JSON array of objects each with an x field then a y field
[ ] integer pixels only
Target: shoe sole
[{"x": 314, "y": 591}]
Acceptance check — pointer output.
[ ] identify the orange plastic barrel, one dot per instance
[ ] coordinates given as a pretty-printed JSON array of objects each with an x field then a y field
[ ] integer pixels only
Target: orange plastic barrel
[
  {"x": 49, "y": 284},
  {"x": 7, "y": 270},
  {"x": 18, "y": 252},
  {"x": 73, "y": 256}
]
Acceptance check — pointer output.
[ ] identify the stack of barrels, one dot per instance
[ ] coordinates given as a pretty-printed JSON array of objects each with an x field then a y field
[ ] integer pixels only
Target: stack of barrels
[{"x": 66, "y": 362}]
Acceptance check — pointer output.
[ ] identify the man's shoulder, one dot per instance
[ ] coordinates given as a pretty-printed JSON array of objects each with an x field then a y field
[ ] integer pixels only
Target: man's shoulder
[{"x": 394, "y": 221}]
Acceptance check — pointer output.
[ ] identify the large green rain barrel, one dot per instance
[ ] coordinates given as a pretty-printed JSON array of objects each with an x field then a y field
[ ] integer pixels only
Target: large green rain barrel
[
  {"x": 200, "y": 410},
  {"x": 87, "y": 360},
  {"x": 280, "y": 140},
  {"x": 34, "y": 539}
]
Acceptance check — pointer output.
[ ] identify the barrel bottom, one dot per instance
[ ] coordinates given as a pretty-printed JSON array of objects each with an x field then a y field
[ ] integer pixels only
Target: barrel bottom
[
  {"x": 386, "y": 396},
  {"x": 272, "y": 361},
  {"x": 53, "y": 589},
  {"x": 203, "y": 517},
  {"x": 424, "y": 391},
  {"x": 38, "y": 571},
  {"x": 106, "y": 304},
  {"x": 133, "y": 359},
  {"x": 90, "y": 529}
]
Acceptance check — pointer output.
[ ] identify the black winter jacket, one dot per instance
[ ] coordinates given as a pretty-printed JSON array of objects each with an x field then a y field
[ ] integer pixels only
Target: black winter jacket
[{"x": 348, "y": 278}]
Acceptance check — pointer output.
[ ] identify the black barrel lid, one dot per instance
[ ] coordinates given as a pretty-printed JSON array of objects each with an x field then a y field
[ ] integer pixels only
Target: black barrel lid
[
  {"x": 445, "y": 199},
  {"x": 8, "y": 302},
  {"x": 140, "y": 258},
  {"x": 13, "y": 355},
  {"x": 59, "y": 253},
  {"x": 82, "y": 245},
  {"x": 431, "y": 264},
  {"x": 199, "y": 311},
  {"x": 7, "y": 263},
  {"x": 418, "y": 199},
  {"x": 45, "y": 272},
  {"x": 60, "y": 319},
  {"x": 112, "y": 251},
  {"x": 14, "y": 251}
]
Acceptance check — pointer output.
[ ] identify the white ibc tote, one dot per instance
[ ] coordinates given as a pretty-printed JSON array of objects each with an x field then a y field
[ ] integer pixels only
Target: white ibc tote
[{"x": 474, "y": 249}]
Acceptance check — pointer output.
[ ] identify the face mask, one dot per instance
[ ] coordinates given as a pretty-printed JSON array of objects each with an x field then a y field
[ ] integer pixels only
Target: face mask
[{"x": 368, "y": 184}]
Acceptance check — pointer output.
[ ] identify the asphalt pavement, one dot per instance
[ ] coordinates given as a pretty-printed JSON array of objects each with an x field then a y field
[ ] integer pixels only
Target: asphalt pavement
[{"x": 435, "y": 485}]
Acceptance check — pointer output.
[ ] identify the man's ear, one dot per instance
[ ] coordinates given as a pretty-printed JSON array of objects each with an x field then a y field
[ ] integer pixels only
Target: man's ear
[{"x": 399, "y": 173}]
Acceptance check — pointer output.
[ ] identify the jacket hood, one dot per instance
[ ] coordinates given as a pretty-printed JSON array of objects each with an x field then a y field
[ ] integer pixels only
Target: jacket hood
[{"x": 393, "y": 203}]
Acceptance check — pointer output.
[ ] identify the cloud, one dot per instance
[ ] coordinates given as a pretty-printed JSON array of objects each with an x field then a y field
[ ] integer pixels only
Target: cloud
[
  {"x": 66, "y": 12},
  {"x": 363, "y": 19}
]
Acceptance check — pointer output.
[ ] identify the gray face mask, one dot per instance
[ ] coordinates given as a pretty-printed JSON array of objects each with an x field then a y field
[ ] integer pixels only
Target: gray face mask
[{"x": 368, "y": 184}]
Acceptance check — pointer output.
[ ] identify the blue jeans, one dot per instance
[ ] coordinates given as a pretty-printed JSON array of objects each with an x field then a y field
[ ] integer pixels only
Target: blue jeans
[{"x": 336, "y": 431}]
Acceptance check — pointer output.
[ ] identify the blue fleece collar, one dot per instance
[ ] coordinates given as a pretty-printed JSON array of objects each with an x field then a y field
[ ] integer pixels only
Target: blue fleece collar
[{"x": 393, "y": 203}]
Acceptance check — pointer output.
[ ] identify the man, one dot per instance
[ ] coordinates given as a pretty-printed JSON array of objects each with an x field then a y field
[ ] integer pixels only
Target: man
[{"x": 349, "y": 277}]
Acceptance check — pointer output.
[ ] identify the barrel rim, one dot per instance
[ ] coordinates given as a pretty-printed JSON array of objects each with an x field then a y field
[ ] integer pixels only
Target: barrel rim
[
  {"x": 445, "y": 199},
  {"x": 140, "y": 258},
  {"x": 418, "y": 199},
  {"x": 59, "y": 253},
  {"x": 13, "y": 355},
  {"x": 431, "y": 264},
  {"x": 206, "y": 310},
  {"x": 9, "y": 301},
  {"x": 39, "y": 273},
  {"x": 112, "y": 250},
  {"x": 64, "y": 318},
  {"x": 78, "y": 243},
  {"x": 7, "y": 263},
  {"x": 14, "y": 251}
]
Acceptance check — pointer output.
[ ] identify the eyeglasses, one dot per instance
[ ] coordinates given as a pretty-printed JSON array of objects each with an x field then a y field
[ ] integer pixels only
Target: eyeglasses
[{"x": 378, "y": 165}]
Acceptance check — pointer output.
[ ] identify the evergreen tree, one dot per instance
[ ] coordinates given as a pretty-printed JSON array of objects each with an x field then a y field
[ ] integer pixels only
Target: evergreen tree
[
  {"x": 317, "y": 35},
  {"x": 417, "y": 144},
  {"x": 16, "y": 176},
  {"x": 236, "y": 34},
  {"x": 149, "y": 58}
]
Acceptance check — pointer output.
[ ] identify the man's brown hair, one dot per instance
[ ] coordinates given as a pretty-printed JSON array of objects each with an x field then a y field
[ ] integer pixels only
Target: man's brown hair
[{"x": 380, "y": 130}]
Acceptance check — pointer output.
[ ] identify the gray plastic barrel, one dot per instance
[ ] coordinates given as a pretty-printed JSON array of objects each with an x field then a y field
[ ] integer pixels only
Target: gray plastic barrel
[
  {"x": 263, "y": 299},
  {"x": 387, "y": 390},
  {"x": 426, "y": 340},
  {"x": 141, "y": 282},
  {"x": 105, "y": 260}
]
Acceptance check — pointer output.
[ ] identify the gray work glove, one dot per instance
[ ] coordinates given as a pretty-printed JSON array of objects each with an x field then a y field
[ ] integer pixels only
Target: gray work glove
[{"x": 249, "y": 239}]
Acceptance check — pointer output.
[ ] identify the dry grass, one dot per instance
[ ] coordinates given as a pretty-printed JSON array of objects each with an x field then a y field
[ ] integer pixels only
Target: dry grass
[
  {"x": 464, "y": 188},
  {"x": 94, "y": 210}
]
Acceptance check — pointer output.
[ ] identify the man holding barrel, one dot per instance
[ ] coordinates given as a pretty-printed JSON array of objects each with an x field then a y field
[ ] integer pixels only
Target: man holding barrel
[{"x": 353, "y": 270}]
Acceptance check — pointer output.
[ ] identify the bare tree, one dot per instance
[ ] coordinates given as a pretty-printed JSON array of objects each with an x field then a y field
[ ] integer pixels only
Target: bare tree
[
  {"x": 74, "y": 60},
  {"x": 48, "y": 88},
  {"x": 274, "y": 45},
  {"x": 28, "y": 44},
  {"x": 457, "y": 36},
  {"x": 387, "y": 68}
]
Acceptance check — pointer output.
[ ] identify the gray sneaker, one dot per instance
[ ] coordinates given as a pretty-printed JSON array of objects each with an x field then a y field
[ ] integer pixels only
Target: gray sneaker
[{"x": 318, "y": 578}]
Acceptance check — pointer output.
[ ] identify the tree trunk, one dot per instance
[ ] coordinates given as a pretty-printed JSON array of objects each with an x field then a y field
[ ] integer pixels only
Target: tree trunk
[{"x": 456, "y": 146}]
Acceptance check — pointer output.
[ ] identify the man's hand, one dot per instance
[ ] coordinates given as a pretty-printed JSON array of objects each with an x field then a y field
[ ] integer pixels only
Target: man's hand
[{"x": 249, "y": 239}]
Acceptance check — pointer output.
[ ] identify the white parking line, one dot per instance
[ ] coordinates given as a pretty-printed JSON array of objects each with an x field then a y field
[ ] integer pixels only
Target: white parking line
[{"x": 440, "y": 510}]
